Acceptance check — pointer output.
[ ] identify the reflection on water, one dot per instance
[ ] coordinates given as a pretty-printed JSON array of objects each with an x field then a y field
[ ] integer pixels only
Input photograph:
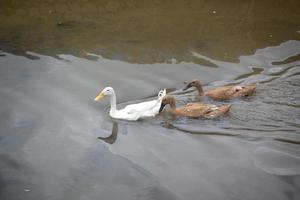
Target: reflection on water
[{"x": 113, "y": 136}]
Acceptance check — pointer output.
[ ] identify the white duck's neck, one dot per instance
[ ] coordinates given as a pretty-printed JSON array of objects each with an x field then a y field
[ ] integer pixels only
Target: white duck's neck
[{"x": 113, "y": 102}]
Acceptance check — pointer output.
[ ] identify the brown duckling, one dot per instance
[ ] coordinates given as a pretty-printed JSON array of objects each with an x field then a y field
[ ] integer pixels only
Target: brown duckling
[
  {"x": 224, "y": 92},
  {"x": 194, "y": 110}
]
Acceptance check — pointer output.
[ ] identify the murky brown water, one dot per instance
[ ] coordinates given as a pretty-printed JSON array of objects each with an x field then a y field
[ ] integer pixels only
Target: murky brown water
[
  {"x": 147, "y": 31},
  {"x": 56, "y": 56}
]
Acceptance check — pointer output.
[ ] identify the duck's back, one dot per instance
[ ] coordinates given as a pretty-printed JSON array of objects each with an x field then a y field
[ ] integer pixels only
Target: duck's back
[
  {"x": 222, "y": 93},
  {"x": 231, "y": 91},
  {"x": 219, "y": 111},
  {"x": 197, "y": 110},
  {"x": 193, "y": 110},
  {"x": 141, "y": 106}
]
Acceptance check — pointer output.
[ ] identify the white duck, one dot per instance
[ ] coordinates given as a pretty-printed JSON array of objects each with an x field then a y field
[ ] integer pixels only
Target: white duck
[{"x": 132, "y": 112}]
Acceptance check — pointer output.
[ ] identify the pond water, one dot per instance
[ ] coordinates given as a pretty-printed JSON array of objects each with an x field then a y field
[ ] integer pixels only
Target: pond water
[{"x": 56, "y": 142}]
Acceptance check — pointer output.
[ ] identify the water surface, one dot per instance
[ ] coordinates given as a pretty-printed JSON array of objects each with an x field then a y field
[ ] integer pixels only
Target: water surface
[{"x": 57, "y": 143}]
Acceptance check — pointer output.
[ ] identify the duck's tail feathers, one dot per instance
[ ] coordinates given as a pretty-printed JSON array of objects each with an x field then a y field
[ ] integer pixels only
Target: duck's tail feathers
[
  {"x": 162, "y": 93},
  {"x": 225, "y": 108},
  {"x": 222, "y": 110},
  {"x": 252, "y": 87}
]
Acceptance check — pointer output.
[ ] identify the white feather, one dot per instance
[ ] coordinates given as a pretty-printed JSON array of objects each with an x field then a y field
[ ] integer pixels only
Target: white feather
[{"x": 133, "y": 111}]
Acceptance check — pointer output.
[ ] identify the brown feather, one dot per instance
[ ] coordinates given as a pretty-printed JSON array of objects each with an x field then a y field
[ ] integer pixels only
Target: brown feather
[
  {"x": 196, "y": 110},
  {"x": 224, "y": 92}
]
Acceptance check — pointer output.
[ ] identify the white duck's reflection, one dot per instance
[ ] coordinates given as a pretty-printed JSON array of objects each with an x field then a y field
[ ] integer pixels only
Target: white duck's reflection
[{"x": 114, "y": 134}]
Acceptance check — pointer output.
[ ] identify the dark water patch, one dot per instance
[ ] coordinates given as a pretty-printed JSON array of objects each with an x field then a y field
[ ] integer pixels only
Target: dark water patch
[
  {"x": 287, "y": 140},
  {"x": 91, "y": 57},
  {"x": 288, "y": 60},
  {"x": 256, "y": 70},
  {"x": 32, "y": 57}
]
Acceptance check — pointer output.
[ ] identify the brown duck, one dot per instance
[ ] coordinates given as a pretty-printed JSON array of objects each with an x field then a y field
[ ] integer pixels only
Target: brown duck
[
  {"x": 194, "y": 110},
  {"x": 224, "y": 92}
]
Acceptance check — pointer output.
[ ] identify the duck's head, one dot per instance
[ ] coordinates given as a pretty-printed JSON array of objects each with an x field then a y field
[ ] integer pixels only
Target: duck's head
[
  {"x": 108, "y": 91},
  {"x": 193, "y": 83},
  {"x": 167, "y": 100}
]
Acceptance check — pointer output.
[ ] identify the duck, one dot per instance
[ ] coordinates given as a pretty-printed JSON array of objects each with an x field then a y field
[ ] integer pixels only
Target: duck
[
  {"x": 131, "y": 112},
  {"x": 223, "y": 92},
  {"x": 194, "y": 110}
]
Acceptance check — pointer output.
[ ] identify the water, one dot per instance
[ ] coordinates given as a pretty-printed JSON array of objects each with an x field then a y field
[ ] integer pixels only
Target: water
[{"x": 57, "y": 143}]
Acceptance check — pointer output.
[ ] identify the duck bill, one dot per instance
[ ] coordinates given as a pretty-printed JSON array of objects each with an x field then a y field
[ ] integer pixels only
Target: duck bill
[
  {"x": 187, "y": 86},
  {"x": 161, "y": 107},
  {"x": 99, "y": 97}
]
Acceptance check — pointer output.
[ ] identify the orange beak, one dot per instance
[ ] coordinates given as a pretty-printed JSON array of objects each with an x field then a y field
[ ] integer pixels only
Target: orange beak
[{"x": 100, "y": 96}]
